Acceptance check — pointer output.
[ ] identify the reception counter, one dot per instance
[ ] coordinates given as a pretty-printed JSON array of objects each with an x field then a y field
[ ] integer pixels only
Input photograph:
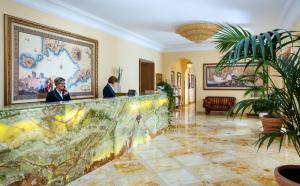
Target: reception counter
[{"x": 53, "y": 144}]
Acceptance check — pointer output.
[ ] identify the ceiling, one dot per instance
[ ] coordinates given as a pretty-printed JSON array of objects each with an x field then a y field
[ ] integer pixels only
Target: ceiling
[{"x": 153, "y": 22}]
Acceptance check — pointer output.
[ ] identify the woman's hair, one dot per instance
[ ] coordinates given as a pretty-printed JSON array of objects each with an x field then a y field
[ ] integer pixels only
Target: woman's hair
[
  {"x": 112, "y": 79},
  {"x": 58, "y": 80}
]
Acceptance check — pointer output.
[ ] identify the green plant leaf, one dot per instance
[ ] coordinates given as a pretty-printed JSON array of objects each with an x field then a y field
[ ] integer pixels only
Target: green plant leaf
[
  {"x": 246, "y": 45},
  {"x": 253, "y": 44},
  {"x": 262, "y": 47},
  {"x": 269, "y": 43},
  {"x": 281, "y": 141},
  {"x": 266, "y": 51},
  {"x": 271, "y": 139},
  {"x": 239, "y": 46}
]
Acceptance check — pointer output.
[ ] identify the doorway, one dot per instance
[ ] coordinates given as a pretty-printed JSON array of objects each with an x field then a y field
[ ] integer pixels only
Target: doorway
[
  {"x": 146, "y": 79},
  {"x": 190, "y": 84}
]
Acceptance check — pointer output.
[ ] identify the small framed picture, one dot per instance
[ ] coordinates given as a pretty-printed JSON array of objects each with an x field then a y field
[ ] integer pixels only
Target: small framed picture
[
  {"x": 179, "y": 80},
  {"x": 158, "y": 78},
  {"x": 173, "y": 78}
]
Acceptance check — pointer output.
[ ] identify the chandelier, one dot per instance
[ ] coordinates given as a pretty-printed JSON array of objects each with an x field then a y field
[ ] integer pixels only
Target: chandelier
[{"x": 197, "y": 32}]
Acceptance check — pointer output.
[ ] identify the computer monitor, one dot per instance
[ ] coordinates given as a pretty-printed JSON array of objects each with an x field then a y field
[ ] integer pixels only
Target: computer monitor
[{"x": 131, "y": 92}]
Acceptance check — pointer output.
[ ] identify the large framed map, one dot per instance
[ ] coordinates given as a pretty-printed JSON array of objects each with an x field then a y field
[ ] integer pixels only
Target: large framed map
[{"x": 36, "y": 54}]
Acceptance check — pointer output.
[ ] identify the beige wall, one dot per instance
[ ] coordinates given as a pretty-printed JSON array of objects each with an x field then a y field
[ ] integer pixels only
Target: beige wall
[
  {"x": 113, "y": 51},
  {"x": 296, "y": 25},
  {"x": 198, "y": 58}
]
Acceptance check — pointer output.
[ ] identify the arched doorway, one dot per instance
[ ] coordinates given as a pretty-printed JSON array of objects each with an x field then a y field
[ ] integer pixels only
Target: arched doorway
[
  {"x": 190, "y": 84},
  {"x": 184, "y": 81}
]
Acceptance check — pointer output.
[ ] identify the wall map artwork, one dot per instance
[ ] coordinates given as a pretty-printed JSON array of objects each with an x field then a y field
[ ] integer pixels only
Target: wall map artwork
[{"x": 36, "y": 54}]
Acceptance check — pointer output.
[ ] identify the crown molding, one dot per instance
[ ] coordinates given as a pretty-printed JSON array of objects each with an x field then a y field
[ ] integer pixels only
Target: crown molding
[
  {"x": 289, "y": 15},
  {"x": 207, "y": 45},
  {"x": 61, "y": 9},
  {"x": 66, "y": 11}
]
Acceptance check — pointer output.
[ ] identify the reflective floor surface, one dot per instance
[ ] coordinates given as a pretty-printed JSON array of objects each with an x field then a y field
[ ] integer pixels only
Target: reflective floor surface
[{"x": 198, "y": 150}]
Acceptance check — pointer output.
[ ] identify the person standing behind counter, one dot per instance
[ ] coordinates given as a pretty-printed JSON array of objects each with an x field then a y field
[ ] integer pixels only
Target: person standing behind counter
[
  {"x": 60, "y": 93},
  {"x": 108, "y": 91}
]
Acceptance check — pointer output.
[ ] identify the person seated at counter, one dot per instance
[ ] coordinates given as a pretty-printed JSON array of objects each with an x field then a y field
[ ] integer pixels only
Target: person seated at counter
[
  {"x": 60, "y": 93},
  {"x": 108, "y": 90}
]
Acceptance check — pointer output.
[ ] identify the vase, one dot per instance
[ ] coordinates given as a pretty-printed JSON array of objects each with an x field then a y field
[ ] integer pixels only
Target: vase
[
  {"x": 119, "y": 86},
  {"x": 287, "y": 175}
]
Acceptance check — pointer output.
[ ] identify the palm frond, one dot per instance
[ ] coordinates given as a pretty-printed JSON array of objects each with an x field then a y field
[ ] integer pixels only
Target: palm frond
[
  {"x": 240, "y": 44},
  {"x": 228, "y": 35},
  {"x": 241, "y": 107},
  {"x": 266, "y": 50}
]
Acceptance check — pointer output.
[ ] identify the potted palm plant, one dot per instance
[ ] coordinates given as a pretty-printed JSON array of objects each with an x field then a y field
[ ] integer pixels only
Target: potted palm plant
[
  {"x": 265, "y": 104},
  {"x": 267, "y": 50},
  {"x": 271, "y": 121}
]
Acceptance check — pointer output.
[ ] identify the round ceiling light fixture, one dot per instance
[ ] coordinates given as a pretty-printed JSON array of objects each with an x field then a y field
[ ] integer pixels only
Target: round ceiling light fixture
[{"x": 197, "y": 32}]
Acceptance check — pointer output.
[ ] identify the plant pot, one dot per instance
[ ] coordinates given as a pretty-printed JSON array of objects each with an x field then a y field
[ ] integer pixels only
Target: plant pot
[
  {"x": 271, "y": 124},
  {"x": 287, "y": 175}
]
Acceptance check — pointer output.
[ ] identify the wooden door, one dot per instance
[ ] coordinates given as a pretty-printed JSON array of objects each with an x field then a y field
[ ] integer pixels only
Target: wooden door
[{"x": 147, "y": 72}]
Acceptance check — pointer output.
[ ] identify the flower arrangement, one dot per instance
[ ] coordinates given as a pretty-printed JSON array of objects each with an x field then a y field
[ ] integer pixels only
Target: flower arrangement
[{"x": 119, "y": 73}]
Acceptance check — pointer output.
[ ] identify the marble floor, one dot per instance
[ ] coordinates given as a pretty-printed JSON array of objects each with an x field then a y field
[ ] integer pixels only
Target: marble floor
[{"x": 198, "y": 150}]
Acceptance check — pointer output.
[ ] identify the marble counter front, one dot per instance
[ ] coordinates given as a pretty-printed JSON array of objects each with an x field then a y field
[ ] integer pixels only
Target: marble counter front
[{"x": 53, "y": 144}]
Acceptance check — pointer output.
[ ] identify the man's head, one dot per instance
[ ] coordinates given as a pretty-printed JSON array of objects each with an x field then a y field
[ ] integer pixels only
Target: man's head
[
  {"x": 59, "y": 83},
  {"x": 112, "y": 79}
]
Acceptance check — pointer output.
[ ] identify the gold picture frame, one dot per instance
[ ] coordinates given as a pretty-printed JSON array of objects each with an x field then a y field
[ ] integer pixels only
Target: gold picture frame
[
  {"x": 29, "y": 46},
  {"x": 159, "y": 78},
  {"x": 179, "y": 80},
  {"x": 172, "y": 78}
]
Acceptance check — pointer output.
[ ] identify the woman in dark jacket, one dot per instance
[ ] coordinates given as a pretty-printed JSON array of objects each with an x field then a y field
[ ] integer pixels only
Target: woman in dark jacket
[{"x": 108, "y": 90}]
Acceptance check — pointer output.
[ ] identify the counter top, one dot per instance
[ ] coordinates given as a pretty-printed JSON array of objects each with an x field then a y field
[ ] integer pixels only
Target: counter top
[
  {"x": 44, "y": 104},
  {"x": 56, "y": 143}
]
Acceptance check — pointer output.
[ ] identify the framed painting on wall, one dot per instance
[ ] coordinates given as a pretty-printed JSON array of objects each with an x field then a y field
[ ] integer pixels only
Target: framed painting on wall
[
  {"x": 173, "y": 78},
  {"x": 179, "y": 80},
  {"x": 227, "y": 79},
  {"x": 158, "y": 78},
  {"x": 36, "y": 54}
]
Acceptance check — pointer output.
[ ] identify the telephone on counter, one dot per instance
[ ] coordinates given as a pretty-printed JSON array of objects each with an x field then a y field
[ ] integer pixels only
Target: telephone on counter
[
  {"x": 131, "y": 93},
  {"x": 64, "y": 90}
]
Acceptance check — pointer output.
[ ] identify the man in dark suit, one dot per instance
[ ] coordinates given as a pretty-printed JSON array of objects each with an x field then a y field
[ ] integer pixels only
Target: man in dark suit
[
  {"x": 60, "y": 93},
  {"x": 108, "y": 90}
]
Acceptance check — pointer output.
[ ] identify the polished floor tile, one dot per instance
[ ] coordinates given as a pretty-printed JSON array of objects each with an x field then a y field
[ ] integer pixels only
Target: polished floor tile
[
  {"x": 177, "y": 177},
  {"x": 191, "y": 159},
  {"x": 129, "y": 167},
  {"x": 162, "y": 164},
  {"x": 212, "y": 172},
  {"x": 205, "y": 150},
  {"x": 139, "y": 180}
]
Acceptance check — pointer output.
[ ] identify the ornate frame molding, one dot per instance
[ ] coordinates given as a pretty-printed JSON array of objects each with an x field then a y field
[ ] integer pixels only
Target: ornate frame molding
[{"x": 8, "y": 21}]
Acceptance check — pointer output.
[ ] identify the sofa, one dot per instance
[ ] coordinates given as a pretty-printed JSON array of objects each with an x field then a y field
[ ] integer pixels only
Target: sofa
[{"x": 218, "y": 103}]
